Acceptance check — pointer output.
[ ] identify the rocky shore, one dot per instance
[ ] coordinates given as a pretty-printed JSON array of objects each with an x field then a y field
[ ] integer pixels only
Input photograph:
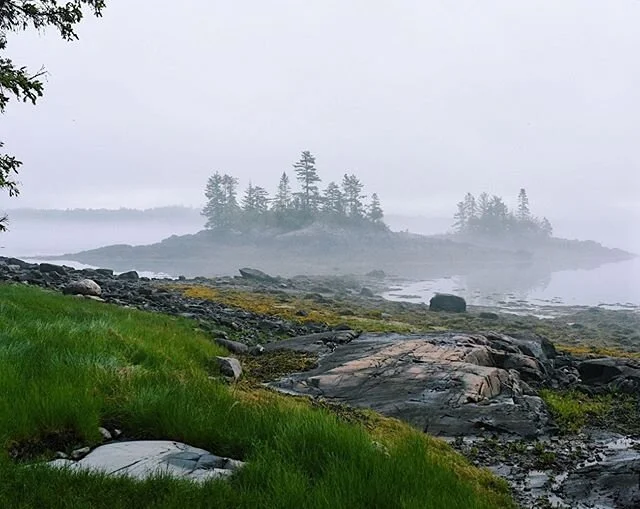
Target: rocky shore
[{"x": 485, "y": 391}]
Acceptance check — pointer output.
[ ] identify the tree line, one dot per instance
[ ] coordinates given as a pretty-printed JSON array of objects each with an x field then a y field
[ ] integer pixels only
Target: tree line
[
  {"x": 489, "y": 215},
  {"x": 341, "y": 203}
]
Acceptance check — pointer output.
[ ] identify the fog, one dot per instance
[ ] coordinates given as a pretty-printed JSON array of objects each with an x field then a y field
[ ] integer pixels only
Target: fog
[{"x": 424, "y": 100}]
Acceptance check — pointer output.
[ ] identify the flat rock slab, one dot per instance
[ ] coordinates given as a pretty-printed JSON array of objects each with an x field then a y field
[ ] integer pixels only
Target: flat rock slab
[
  {"x": 445, "y": 384},
  {"x": 144, "y": 459}
]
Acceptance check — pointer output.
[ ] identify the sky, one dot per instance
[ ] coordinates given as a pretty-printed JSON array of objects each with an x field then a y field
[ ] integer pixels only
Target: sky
[{"x": 424, "y": 100}]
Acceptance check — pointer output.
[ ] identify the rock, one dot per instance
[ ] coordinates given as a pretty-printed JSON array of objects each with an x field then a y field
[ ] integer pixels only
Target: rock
[
  {"x": 80, "y": 453},
  {"x": 366, "y": 292},
  {"x": 378, "y": 274},
  {"x": 445, "y": 384},
  {"x": 256, "y": 350},
  {"x": 145, "y": 459},
  {"x": 447, "y": 302},
  {"x": 132, "y": 275},
  {"x": 85, "y": 287},
  {"x": 489, "y": 316},
  {"x": 600, "y": 370},
  {"x": 51, "y": 268},
  {"x": 105, "y": 272},
  {"x": 256, "y": 274},
  {"x": 106, "y": 435},
  {"x": 230, "y": 366},
  {"x": 62, "y": 455},
  {"x": 232, "y": 346}
]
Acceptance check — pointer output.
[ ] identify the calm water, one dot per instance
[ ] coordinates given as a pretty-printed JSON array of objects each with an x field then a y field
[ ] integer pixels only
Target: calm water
[{"x": 615, "y": 285}]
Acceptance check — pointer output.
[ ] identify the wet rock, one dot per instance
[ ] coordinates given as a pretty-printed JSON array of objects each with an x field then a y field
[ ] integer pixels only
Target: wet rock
[
  {"x": 144, "y": 459},
  {"x": 367, "y": 292},
  {"x": 447, "y": 302},
  {"x": 131, "y": 275},
  {"x": 445, "y": 384},
  {"x": 51, "y": 268},
  {"x": 258, "y": 275},
  {"x": 230, "y": 366},
  {"x": 86, "y": 287},
  {"x": 378, "y": 274},
  {"x": 232, "y": 346}
]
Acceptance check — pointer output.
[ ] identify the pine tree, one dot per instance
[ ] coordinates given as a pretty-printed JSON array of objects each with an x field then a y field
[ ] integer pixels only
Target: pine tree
[
  {"x": 249, "y": 199},
  {"x": 231, "y": 207},
  {"x": 307, "y": 175},
  {"x": 482, "y": 204},
  {"x": 261, "y": 199},
  {"x": 214, "y": 210},
  {"x": 460, "y": 218},
  {"x": 546, "y": 228},
  {"x": 470, "y": 208},
  {"x": 283, "y": 200},
  {"x": 523, "y": 213},
  {"x": 333, "y": 200},
  {"x": 375, "y": 212},
  {"x": 352, "y": 192}
]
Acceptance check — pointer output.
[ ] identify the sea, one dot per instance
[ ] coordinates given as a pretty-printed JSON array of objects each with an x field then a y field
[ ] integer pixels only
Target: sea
[{"x": 611, "y": 285}]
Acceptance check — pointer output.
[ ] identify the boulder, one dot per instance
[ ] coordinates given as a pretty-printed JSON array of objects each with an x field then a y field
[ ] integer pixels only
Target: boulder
[
  {"x": 367, "y": 292},
  {"x": 232, "y": 346},
  {"x": 105, "y": 272},
  {"x": 447, "y": 302},
  {"x": 132, "y": 275},
  {"x": 256, "y": 274},
  {"x": 85, "y": 287},
  {"x": 230, "y": 366},
  {"x": 146, "y": 459},
  {"x": 51, "y": 268},
  {"x": 378, "y": 274}
]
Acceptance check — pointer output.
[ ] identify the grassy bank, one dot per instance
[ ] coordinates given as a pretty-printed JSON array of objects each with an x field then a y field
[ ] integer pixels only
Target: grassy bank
[{"x": 68, "y": 366}]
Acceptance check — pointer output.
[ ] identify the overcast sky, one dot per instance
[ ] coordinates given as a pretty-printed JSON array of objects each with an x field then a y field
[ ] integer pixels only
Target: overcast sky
[{"x": 424, "y": 100}]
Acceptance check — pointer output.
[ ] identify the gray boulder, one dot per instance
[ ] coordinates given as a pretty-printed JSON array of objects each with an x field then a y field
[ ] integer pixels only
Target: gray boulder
[
  {"x": 50, "y": 267},
  {"x": 232, "y": 346},
  {"x": 132, "y": 275},
  {"x": 447, "y": 302},
  {"x": 145, "y": 459},
  {"x": 230, "y": 366},
  {"x": 256, "y": 274},
  {"x": 85, "y": 287}
]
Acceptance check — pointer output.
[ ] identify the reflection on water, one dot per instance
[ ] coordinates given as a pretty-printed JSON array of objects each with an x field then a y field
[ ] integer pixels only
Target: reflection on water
[{"x": 615, "y": 285}]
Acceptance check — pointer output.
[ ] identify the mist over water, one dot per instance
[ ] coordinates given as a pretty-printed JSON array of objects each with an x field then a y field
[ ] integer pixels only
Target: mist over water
[{"x": 612, "y": 284}]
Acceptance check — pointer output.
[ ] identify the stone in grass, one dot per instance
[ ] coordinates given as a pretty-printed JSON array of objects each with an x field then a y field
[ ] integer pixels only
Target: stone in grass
[
  {"x": 80, "y": 453},
  {"x": 145, "y": 459},
  {"x": 105, "y": 434},
  {"x": 447, "y": 302},
  {"x": 230, "y": 366},
  {"x": 232, "y": 346},
  {"x": 86, "y": 287}
]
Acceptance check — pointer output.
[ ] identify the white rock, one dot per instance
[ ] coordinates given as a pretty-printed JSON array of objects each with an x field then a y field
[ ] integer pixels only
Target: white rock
[
  {"x": 230, "y": 366},
  {"x": 144, "y": 459},
  {"x": 105, "y": 434},
  {"x": 84, "y": 287}
]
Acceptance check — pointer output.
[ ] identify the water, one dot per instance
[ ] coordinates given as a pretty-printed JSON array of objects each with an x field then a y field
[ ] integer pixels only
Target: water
[{"x": 613, "y": 285}]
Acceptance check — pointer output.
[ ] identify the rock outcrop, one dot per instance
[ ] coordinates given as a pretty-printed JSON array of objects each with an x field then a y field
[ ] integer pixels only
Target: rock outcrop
[{"x": 446, "y": 384}]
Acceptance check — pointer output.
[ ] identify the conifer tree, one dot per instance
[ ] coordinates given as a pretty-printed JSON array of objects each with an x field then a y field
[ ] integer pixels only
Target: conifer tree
[
  {"x": 523, "y": 213},
  {"x": 333, "y": 200},
  {"x": 216, "y": 200},
  {"x": 307, "y": 175},
  {"x": 375, "y": 212},
  {"x": 352, "y": 192},
  {"x": 283, "y": 197}
]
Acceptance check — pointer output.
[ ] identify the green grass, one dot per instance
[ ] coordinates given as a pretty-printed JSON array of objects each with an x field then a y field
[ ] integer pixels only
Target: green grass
[
  {"x": 69, "y": 365},
  {"x": 572, "y": 410}
]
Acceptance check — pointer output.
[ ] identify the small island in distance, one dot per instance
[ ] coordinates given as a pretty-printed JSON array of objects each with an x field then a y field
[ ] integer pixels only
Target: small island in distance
[{"x": 337, "y": 231}]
